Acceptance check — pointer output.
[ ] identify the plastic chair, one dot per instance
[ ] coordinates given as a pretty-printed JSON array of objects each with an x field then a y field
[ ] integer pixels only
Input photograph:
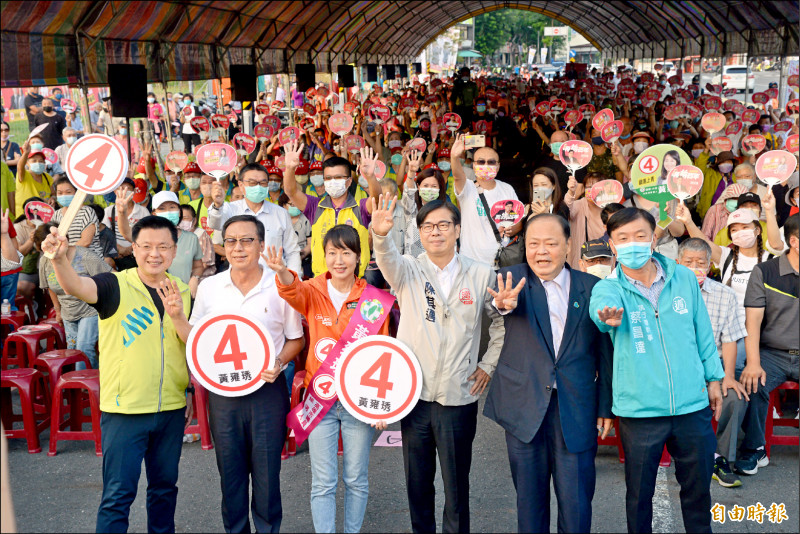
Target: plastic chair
[
  {"x": 614, "y": 441},
  {"x": 58, "y": 327},
  {"x": 72, "y": 384},
  {"x": 26, "y": 344},
  {"x": 52, "y": 364},
  {"x": 25, "y": 305},
  {"x": 11, "y": 322},
  {"x": 769, "y": 437},
  {"x": 200, "y": 403},
  {"x": 29, "y": 383}
]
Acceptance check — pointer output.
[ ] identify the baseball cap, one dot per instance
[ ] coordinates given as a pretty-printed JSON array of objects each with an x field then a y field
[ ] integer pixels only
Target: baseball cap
[
  {"x": 272, "y": 169},
  {"x": 443, "y": 153},
  {"x": 596, "y": 248},
  {"x": 433, "y": 166},
  {"x": 164, "y": 196},
  {"x": 741, "y": 216},
  {"x": 192, "y": 167},
  {"x": 748, "y": 197},
  {"x": 315, "y": 166},
  {"x": 139, "y": 190},
  {"x": 35, "y": 153},
  {"x": 302, "y": 168}
]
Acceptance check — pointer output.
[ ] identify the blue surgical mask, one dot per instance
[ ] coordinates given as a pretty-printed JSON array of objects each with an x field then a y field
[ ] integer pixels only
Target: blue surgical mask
[
  {"x": 187, "y": 102},
  {"x": 294, "y": 211},
  {"x": 35, "y": 147},
  {"x": 64, "y": 200},
  {"x": 480, "y": 108},
  {"x": 274, "y": 186},
  {"x": 673, "y": 125},
  {"x": 256, "y": 193},
  {"x": 634, "y": 255},
  {"x": 731, "y": 204},
  {"x": 397, "y": 159},
  {"x": 597, "y": 140},
  {"x": 123, "y": 131},
  {"x": 36, "y": 168},
  {"x": 172, "y": 216},
  {"x": 444, "y": 166},
  {"x": 555, "y": 146}
]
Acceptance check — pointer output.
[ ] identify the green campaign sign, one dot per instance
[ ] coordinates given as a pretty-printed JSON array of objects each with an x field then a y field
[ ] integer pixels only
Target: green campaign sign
[{"x": 649, "y": 174}]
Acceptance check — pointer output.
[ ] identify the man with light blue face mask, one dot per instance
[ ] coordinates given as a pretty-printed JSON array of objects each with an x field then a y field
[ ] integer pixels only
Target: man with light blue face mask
[
  {"x": 552, "y": 161},
  {"x": 667, "y": 371},
  {"x": 278, "y": 224}
]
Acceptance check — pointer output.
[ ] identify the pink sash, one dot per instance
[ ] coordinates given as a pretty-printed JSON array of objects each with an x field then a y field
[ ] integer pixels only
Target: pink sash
[{"x": 371, "y": 311}]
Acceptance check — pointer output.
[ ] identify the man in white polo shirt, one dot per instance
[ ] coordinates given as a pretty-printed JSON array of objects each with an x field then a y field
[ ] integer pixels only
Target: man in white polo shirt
[{"x": 248, "y": 431}]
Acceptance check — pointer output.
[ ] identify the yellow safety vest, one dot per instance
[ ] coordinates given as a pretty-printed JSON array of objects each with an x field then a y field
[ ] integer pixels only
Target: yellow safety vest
[
  {"x": 142, "y": 359},
  {"x": 326, "y": 218}
]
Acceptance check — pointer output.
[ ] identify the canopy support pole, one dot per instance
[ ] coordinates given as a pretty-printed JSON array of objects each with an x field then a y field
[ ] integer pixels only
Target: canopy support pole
[
  {"x": 747, "y": 64},
  {"x": 168, "y": 120},
  {"x": 700, "y": 86},
  {"x": 86, "y": 117},
  {"x": 784, "y": 69}
]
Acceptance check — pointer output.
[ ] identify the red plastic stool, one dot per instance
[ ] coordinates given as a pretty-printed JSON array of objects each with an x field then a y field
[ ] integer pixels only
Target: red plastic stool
[
  {"x": 58, "y": 327},
  {"x": 29, "y": 382},
  {"x": 769, "y": 437},
  {"x": 72, "y": 383},
  {"x": 25, "y": 305},
  {"x": 11, "y": 322},
  {"x": 27, "y": 342},
  {"x": 200, "y": 403},
  {"x": 614, "y": 441},
  {"x": 52, "y": 363}
]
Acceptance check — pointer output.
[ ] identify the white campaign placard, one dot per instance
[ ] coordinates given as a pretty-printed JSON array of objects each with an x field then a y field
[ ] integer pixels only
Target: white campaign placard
[
  {"x": 97, "y": 164},
  {"x": 227, "y": 353},
  {"x": 378, "y": 378}
]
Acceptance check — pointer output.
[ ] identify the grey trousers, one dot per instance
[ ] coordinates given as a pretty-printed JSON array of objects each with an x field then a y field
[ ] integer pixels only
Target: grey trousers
[{"x": 730, "y": 421}]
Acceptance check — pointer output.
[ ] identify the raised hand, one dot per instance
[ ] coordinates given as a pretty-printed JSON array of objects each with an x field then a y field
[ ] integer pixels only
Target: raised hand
[
  {"x": 274, "y": 259},
  {"x": 122, "y": 201},
  {"x": 382, "y": 220},
  {"x": 4, "y": 222},
  {"x": 572, "y": 183},
  {"x": 682, "y": 214},
  {"x": 291, "y": 153},
  {"x": 458, "y": 149},
  {"x": 414, "y": 161},
  {"x": 55, "y": 245},
  {"x": 611, "y": 316},
  {"x": 368, "y": 160},
  {"x": 217, "y": 194},
  {"x": 171, "y": 299},
  {"x": 505, "y": 298},
  {"x": 768, "y": 202}
]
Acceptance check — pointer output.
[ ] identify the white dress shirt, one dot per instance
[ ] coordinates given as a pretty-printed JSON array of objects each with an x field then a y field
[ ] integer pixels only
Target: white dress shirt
[
  {"x": 447, "y": 276},
  {"x": 558, "y": 305},
  {"x": 218, "y": 294},
  {"x": 277, "y": 226}
]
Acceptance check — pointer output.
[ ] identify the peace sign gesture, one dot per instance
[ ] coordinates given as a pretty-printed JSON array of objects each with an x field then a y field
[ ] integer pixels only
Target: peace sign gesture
[{"x": 505, "y": 298}]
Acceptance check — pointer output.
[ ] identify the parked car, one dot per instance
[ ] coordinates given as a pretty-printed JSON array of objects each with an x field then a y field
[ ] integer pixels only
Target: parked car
[{"x": 734, "y": 77}]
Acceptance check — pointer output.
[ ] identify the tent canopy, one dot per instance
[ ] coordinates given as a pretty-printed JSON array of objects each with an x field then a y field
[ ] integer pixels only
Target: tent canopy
[{"x": 47, "y": 42}]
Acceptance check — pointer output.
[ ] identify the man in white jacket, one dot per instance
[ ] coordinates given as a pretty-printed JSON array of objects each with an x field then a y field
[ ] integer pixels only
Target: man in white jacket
[{"x": 442, "y": 296}]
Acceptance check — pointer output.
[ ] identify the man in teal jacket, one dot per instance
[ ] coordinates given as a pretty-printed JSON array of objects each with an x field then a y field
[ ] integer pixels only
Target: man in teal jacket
[{"x": 666, "y": 370}]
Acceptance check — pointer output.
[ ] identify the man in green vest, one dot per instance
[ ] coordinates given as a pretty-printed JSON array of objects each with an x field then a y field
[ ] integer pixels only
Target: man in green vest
[{"x": 143, "y": 374}]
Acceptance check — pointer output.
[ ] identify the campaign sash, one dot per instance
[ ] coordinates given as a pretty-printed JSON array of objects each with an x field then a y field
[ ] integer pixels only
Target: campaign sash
[{"x": 371, "y": 311}]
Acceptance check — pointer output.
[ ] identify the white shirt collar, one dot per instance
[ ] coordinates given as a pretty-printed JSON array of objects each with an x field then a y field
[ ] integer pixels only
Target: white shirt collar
[
  {"x": 561, "y": 279},
  {"x": 450, "y": 269},
  {"x": 267, "y": 277},
  {"x": 265, "y": 207}
]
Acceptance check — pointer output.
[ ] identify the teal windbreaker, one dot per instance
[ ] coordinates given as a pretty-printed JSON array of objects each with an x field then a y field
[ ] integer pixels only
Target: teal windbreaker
[{"x": 662, "y": 358}]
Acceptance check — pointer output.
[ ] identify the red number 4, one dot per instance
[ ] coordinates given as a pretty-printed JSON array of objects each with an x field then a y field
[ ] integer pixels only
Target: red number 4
[
  {"x": 235, "y": 356},
  {"x": 92, "y": 164},
  {"x": 382, "y": 384}
]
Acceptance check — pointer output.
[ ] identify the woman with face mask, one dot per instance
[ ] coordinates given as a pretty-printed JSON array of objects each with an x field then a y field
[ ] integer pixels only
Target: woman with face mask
[
  {"x": 546, "y": 195},
  {"x": 716, "y": 217},
  {"x": 188, "y": 223},
  {"x": 85, "y": 228},
  {"x": 187, "y": 112},
  {"x": 32, "y": 180},
  {"x": 420, "y": 188},
  {"x": 11, "y": 150},
  {"x": 717, "y": 175}
]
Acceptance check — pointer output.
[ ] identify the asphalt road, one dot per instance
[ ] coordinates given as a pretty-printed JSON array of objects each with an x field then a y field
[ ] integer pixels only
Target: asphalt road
[{"x": 61, "y": 494}]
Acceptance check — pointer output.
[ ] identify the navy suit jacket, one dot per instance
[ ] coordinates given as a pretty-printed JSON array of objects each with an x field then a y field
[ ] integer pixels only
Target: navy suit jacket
[{"x": 520, "y": 390}]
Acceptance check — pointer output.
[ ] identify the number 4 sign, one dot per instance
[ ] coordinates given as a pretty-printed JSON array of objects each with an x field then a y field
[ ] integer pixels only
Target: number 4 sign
[
  {"x": 227, "y": 353},
  {"x": 378, "y": 378}
]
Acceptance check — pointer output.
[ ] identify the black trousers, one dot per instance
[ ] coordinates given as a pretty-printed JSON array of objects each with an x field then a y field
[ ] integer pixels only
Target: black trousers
[
  {"x": 189, "y": 140},
  {"x": 249, "y": 433},
  {"x": 691, "y": 442},
  {"x": 573, "y": 474},
  {"x": 448, "y": 430}
]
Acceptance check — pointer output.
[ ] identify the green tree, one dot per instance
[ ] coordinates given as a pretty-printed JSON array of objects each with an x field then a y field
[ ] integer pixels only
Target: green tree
[
  {"x": 516, "y": 27},
  {"x": 491, "y": 32}
]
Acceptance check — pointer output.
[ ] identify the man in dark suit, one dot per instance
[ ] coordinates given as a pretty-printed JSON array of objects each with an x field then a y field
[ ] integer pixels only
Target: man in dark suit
[{"x": 551, "y": 391}]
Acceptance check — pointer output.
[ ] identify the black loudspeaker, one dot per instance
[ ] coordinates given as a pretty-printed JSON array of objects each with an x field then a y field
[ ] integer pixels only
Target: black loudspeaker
[
  {"x": 417, "y": 68},
  {"x": 244, "y": 82},
  {"x": 404, "y": 71},
  {"x": 346, "y": 75},
  {"x": 372, "y": 73},
  {"x": 128, "y": 87},
  {"x": 389, "y": 69},
  {"x": 305, "y": 74}
]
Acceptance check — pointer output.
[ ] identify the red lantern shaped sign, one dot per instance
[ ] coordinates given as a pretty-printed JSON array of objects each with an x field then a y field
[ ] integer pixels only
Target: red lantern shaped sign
[
  {"x": 309, "y": 109},
  {"x": 287, "y": 135},
  {"x": 199, "y": 124},
  {"x": 354, "y": 143},
  {"x": 720, "y": 144},
  {"x": 220, "y": 121},
  {"x": 244, "y": 142},
  {"x": 750, "y": 116},
  {"x": 753, "y": 144},
  {"x": 264, "y": 131},
  {"x": 452, "y": 121},
  {"x": 340, "y": 123}
]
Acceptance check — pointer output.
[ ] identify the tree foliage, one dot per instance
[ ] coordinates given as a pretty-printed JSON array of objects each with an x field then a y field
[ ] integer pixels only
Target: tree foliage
[{"x": 517, "y": 27}]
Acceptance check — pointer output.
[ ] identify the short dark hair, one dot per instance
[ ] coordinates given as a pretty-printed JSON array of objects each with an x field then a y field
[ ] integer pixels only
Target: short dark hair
[
  {"x": 154, "y": 222},
  {"x": 426, "y": 210},
  {"x": 628, "y": 215},
  {"x": 252, "y": 167},
  {"x": 260, "y": 232},
  {"x": 189, "y": 208},
  {"x": 98, "y": 211},
  {"x": 336, "y": 161},
  {"x": 558, "y": 218},
  {"x": 64, "y": 180},
  {"x": 792, "y": 227},
  {"x": 41, "y": 233},
  {"x": 283, "y": 200},
  {"x": 609, "y": 210},
  {"x": 343, "y": 236}
]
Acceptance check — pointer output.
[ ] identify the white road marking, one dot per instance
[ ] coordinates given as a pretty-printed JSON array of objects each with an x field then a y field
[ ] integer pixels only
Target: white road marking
[{"x": 662, "y": 509}]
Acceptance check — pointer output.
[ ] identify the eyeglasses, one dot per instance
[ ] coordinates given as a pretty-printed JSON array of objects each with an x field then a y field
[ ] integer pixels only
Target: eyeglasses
[
  {"x": 4, "y": 129},
  {"x": 162, "y": 249},
  {"x": 443, "y": 226},
  {"x": 253, "y": 183},
  {"x": 245, "y": 241},
  {"x": 486, "y": 162},
  {"x": 337, "y": 177}
]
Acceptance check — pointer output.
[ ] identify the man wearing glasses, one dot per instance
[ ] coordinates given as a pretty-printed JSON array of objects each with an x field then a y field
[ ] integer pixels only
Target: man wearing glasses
[
  {"x": 478, "y": 240},
  {"x": 442, "y": 296},
  {"x": 276, "y": 220},
  {"x": 338, "y": 207},
  {"x": 144, "y": 374},
  {"x": 248, "y": 431}
]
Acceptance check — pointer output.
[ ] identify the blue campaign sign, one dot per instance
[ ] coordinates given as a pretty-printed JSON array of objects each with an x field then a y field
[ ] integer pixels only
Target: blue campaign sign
[{"x": 572, "y": 53}]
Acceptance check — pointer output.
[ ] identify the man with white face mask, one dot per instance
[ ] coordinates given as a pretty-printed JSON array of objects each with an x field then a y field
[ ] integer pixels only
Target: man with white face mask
[
  {"x": 478, "y": 239},
  {"x": 641, "y": 142},
  {"x": 70, "y": 136},
  {"x": 338, "y": 207},
  {"x": 597, "y": 258}
]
